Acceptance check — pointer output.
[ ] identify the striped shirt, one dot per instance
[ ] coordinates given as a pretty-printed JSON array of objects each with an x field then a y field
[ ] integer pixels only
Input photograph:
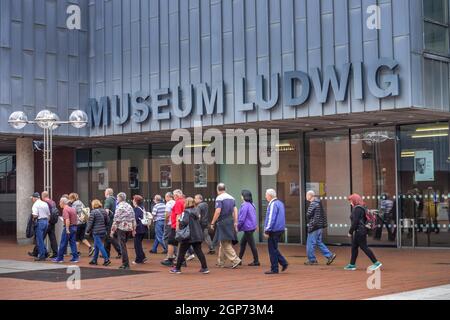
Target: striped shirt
[{"x": 159, "y": 211}]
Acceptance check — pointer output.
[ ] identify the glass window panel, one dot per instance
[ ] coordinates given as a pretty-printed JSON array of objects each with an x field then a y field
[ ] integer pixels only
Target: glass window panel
[
  {"x": 7, "y": 194},
  {"x": 82, "y": 175},
  {"x": 134, "y": 171},
  {"x": 103, "y": 172},
  {"x": 286, "y": 183},
  {"x": 436, "y": 38},
  {"x": 424, "y": 185},
  {"x": 436, "y": 10},
  {"x": 328, "y": 174},
  {"x": 165, "y": 175},
  {"x": 373, "y": 177}
]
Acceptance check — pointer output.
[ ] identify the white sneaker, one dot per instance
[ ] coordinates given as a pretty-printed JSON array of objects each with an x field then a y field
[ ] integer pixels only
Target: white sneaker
[
  {"x": 191, "y": 257},
  {"x": 236, "y": 264}
]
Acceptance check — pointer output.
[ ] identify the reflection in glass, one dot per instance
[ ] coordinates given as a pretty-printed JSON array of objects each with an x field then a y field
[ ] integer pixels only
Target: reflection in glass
[
  {"x": 328, "y": 175},
  {"x": 424, "y": 185}
]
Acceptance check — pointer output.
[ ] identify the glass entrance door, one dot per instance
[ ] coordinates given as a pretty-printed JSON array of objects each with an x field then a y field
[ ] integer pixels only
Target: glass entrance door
[
  {"x": 328, "y": 175},
  {"x": 374, "y": 177},
  {"x": 424, "y": 185},
  {"x": 339, "y": 163}
]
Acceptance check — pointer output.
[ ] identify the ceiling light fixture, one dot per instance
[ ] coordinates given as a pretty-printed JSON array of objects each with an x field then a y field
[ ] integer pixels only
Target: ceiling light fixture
[{"x": 429, "y": 135}]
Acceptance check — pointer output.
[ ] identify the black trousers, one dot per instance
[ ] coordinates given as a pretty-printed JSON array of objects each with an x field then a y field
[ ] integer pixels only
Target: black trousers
[
  {"x": 123, "y": 238},
  {"x": 183, "y": 248},
  {"x": 247, "y": 238},
  {"x": 50, "y": 233},
  {"x": 114, "y": 241},
  {"x": 140, "y": 255},
  {"x": 360, "y": 241}
]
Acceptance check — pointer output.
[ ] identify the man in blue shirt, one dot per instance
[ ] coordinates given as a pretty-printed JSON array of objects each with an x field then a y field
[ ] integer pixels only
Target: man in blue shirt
[{"x": 274, "y": 226}]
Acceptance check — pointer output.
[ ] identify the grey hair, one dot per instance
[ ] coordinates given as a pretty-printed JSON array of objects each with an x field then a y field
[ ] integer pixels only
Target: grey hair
[
  {"x": 109, "y": 192},
  {"x": 178, "y": 192},
  {"x": 221, "y": 187},
  {"x": 169, "y": 194},
  {"x": 64, "y": 200},
  {"x": 158, "y": 198},
  {"x": 122, "y": 196},
  {"x": 271, "y": 192},
  {"x": 311, "y": 192}
]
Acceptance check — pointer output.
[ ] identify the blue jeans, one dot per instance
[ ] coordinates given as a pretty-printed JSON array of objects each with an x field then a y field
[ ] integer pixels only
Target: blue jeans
[
  {"x": 275, "y": 255},
  {"x": 315, "y": 240},
  {"x": 41, "y": 230},
  {"x": 98, "y": 247},
  {"x": 65, "y": 240},
  {"x": 159, "y": 237}
]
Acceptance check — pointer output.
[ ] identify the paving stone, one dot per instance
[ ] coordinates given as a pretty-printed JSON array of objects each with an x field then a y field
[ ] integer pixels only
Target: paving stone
[{"x": 403, "y": 270}]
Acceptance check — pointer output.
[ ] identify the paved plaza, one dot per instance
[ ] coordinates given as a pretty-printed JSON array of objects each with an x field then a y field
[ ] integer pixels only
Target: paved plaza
[{"x": 403, "y": 272}]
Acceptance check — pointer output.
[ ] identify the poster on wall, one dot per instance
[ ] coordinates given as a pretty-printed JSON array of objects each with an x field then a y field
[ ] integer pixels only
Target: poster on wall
[
  {"x": 133, "y": 178},
  {"x": 200, "y": 176},
  {"x": 103, "y": 178},
  {"x": 294, "y": 189},
  {"x": 424, "y": 165},
  {"x": 165, "y": 176}
]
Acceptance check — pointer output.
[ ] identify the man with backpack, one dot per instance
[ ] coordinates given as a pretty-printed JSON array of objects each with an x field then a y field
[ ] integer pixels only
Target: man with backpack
[
  {"x": 317, "y": 221},
  {"x": 53, "y": 220}
]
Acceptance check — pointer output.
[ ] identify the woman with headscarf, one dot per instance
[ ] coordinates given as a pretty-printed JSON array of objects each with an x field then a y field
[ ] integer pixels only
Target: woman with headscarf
[{"x": 358, "y": 233}]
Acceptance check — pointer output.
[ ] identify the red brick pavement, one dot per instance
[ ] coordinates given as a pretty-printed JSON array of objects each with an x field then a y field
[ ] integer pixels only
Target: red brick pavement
[{"x": 403, "y": 270}]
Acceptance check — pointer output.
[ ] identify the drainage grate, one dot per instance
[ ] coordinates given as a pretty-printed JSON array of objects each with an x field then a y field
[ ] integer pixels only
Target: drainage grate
[{"x": 60, "y": 275}]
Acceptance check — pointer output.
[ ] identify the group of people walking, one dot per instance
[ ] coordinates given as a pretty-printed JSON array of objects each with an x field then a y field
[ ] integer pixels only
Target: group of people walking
[{"x": 182, "y": 223}]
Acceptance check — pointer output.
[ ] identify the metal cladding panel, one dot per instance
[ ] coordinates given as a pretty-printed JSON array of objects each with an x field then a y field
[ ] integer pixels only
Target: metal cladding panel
[
  {"x": 132, "y": 46},
  {"x": 43, "y": 64}
]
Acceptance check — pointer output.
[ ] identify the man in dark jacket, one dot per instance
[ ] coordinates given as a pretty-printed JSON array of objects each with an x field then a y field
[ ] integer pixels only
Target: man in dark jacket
[
  {"x": 110, "y": 207},
  {"x": 203, "y": 209},
  {"x": 317, "y": 221}
]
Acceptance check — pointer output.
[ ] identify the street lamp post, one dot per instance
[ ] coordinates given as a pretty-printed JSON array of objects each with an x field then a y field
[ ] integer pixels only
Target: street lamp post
[{"x": 48, "y": 121}]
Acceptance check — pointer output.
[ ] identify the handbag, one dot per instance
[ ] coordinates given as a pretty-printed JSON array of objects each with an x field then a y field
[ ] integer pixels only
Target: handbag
[{"x": 185, "y": 233}]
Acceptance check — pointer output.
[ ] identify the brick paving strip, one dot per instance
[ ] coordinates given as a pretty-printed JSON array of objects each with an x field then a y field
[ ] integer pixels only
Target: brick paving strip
[{"x": 403, "y": 271}]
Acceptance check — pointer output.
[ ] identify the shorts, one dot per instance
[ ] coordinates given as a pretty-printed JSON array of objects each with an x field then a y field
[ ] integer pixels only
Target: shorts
[
  {"x": 81, "y": 230},
  {"x": 171, "y": 240},
  {"x": 167, "y": 230}
]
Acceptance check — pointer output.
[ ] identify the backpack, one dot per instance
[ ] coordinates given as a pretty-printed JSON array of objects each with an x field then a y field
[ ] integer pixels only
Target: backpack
[
  {"x": 84, "y": 216},
  {"x": 371, "y": 219},
  {"x": 54, "y": 215},
  {"x": 147, "y": 218}
]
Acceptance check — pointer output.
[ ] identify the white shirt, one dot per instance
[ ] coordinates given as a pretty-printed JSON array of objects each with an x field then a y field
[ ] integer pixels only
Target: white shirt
[
  {"x": 41, "y": 210},
  {"x": 169, "y": 207}
]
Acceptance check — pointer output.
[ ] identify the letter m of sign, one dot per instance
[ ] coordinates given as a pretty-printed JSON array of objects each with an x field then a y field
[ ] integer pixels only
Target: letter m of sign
[{"x": 99, "y": 113}]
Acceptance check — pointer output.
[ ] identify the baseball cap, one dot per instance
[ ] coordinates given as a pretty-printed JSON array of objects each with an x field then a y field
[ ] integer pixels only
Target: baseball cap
[{"x": 36, "y": 195}]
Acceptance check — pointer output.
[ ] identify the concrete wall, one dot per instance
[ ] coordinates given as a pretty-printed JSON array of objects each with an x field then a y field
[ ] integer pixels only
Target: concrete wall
[{"x": 25, "y": 186}]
